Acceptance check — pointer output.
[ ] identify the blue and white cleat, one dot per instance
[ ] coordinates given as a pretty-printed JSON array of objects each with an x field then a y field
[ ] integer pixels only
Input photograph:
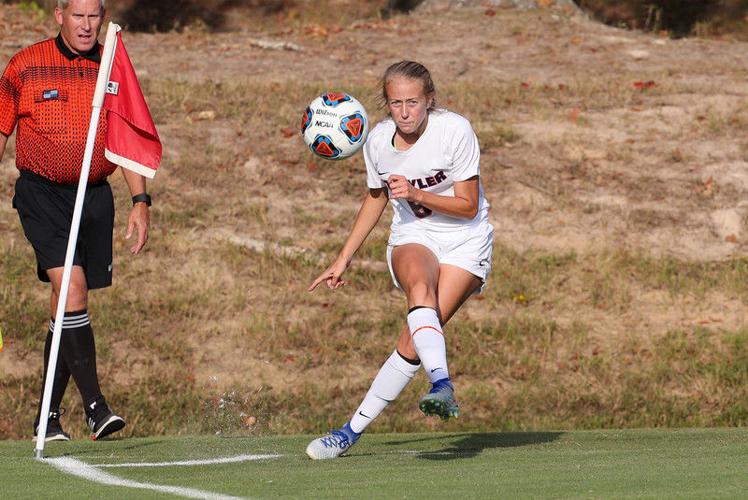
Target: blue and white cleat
[
  {"x": 440, "y": 401},
  {"x": 334, "y": 444}
]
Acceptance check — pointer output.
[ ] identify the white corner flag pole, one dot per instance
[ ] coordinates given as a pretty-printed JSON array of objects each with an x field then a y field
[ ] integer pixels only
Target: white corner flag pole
[{"x": 98, "y": 101}]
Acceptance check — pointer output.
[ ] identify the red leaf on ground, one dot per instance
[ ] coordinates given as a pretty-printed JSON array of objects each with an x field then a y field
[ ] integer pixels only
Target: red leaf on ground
[
  {"x": 288, "y": 132},
  {"x": 645, "y": 85},
  {"x": 707, "y": 188}
]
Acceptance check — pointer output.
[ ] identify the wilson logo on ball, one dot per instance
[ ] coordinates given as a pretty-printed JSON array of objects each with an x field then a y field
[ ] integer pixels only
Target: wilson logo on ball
[
  {"x": 353, "y": 126},
  {"x": 324, "y": 147}
]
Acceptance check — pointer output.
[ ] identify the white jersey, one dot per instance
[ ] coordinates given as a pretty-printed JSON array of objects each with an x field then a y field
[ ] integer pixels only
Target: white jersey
[{"x": 446, "y": 152}]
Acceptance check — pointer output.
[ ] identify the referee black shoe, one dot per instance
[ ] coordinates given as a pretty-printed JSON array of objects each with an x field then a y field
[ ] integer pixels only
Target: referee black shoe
[
  {"x": 54, "y": 428},
  {"x": 101, "y": 420}
]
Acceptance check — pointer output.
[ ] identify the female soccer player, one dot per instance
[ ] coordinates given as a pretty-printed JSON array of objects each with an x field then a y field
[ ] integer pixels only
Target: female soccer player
[{"x": 439, "y": 250}]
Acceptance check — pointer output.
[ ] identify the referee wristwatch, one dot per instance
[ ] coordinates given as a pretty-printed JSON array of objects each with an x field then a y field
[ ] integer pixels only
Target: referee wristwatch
[{"x": 142, "y": 198}]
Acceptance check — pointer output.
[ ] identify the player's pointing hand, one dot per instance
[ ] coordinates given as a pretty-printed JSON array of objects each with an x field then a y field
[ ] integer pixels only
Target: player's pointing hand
[{"x": 332, "y": 276}]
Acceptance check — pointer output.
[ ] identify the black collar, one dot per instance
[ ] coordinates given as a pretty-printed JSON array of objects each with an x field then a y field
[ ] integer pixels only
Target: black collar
[{"x": 92, "y": 55}]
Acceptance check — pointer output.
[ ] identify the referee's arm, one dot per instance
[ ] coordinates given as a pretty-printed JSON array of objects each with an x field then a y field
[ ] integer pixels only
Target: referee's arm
[
  {"x": 3, "y": 142},
  {"x": 139, "y": 219}
]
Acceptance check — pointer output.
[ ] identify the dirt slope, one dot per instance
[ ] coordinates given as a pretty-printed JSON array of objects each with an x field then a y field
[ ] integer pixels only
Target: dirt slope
[
  {"x": 664, "y": 170},
  {"x": 594, "y": 140}
]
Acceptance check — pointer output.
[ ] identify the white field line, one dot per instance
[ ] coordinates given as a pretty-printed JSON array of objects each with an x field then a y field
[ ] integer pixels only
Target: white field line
[
  {"x": 91, "y": 473},
  {"x": 207, "y": 461}
]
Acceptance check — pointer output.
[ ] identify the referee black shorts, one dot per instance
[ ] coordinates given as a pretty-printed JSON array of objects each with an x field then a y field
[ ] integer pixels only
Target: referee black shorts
[{"x": 46, "y": 212}]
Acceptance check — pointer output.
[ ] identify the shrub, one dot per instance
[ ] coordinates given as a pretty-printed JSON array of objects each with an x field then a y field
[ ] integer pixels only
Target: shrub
[{"x": 680, "y": 17}]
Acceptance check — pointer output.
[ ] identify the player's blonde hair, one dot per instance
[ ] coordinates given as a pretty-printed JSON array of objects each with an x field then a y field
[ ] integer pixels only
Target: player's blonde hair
[
  {"x": 413, "y": 71},
  {"x": 63, "y": 4}
]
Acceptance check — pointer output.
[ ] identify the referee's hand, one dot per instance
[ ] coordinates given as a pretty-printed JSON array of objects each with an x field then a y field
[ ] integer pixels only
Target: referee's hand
[{"x": 139, "y": 220}]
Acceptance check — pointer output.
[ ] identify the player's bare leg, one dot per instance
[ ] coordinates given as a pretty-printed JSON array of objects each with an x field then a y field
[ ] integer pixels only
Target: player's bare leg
[
  {"x": 402, "y": 365},
  {"x": 417, "y": 270},
  {"x": 455, "y": 286}
]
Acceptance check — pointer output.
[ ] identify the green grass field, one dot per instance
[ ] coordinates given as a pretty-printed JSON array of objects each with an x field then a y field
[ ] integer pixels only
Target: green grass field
[{"x": 693, "y": 463}]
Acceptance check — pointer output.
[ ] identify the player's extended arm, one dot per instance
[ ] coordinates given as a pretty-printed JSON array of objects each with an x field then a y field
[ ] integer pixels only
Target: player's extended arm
[
  {"x": 463, "y": 205},
  {"x": 368, "y": 216},
  {"x": 139, "y": 218}
]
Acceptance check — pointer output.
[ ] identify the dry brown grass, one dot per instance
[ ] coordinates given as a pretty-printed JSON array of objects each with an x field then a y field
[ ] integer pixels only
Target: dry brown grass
[{"x": 617, "y": 296}]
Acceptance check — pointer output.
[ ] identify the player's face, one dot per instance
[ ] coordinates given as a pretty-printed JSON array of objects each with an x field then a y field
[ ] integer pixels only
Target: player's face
[
  {"x": 80, "y": 24},
  {"x": 408, "y": 105}
]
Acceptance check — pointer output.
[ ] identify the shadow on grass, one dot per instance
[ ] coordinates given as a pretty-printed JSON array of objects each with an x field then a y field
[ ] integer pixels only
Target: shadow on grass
[
  {"x": 473, "y": 444},
  {"x": 95, "y": 451}
]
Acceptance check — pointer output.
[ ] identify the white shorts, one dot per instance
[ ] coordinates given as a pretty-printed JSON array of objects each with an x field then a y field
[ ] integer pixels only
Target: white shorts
[{"x": 469, "y": 249}]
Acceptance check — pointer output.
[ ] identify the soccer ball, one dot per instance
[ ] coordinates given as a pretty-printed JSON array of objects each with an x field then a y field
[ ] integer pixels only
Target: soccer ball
[{"x": 334, "y": 126}]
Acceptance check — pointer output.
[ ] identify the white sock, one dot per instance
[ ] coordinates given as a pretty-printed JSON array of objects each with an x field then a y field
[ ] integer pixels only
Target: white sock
[
  {"x": 387, "y": 385},
  {"x": 428, "y": 339}
]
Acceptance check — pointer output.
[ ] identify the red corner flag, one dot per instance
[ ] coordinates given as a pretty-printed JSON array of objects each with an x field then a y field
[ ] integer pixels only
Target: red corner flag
[{"x": 132, "y": 141}]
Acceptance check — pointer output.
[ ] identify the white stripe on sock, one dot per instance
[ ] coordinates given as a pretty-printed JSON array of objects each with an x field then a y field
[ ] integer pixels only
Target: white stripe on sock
[
  {"x": 72, "y": 322},
  {"x": 76, "y": 324}
]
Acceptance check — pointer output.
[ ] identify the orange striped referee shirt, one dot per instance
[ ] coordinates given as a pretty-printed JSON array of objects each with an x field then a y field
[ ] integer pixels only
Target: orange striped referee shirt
[{"x": 47, "y": 90}]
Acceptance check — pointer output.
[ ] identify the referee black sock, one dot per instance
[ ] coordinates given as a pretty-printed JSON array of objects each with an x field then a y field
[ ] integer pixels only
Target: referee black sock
[
  {"x": 79, "y": 352},
  {"x": 62, "y": 376}
]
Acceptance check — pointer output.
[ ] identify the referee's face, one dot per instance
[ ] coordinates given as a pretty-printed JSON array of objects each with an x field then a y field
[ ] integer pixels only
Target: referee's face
[{"x": 80, "y": 23}]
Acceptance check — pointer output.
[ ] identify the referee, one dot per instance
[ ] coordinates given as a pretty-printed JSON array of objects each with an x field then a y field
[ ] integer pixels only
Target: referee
[{"x": 46, "y": 92}]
